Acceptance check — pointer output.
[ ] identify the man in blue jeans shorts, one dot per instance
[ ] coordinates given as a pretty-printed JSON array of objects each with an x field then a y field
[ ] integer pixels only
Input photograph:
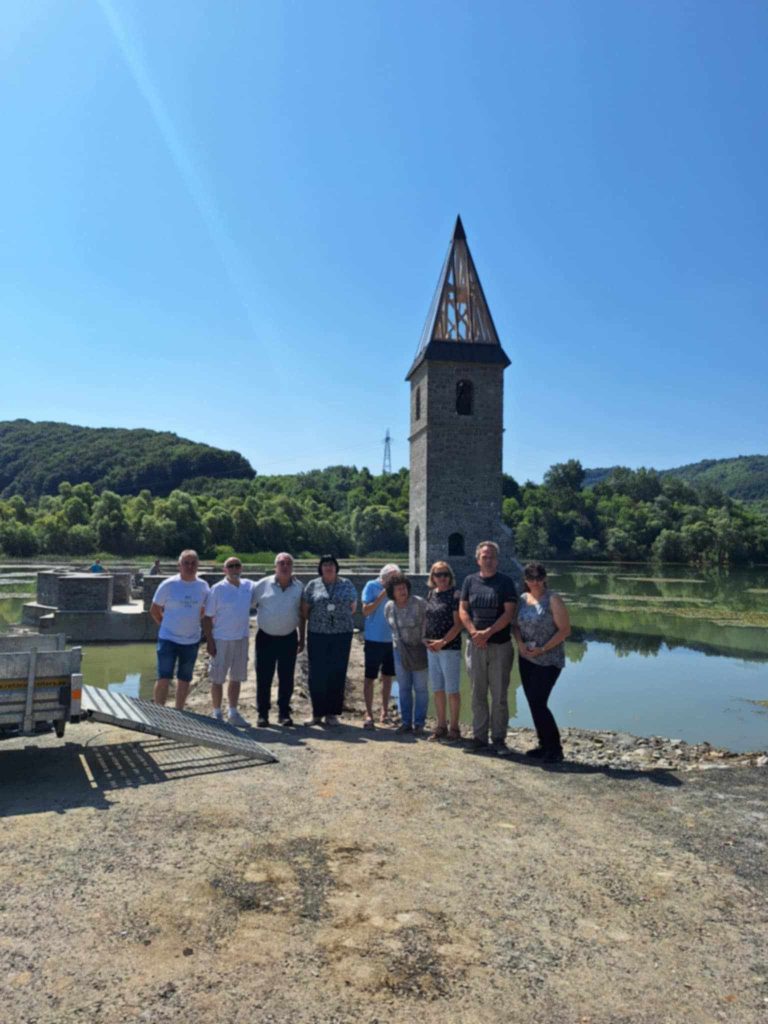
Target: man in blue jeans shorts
[{"x": 177, "y": 608}]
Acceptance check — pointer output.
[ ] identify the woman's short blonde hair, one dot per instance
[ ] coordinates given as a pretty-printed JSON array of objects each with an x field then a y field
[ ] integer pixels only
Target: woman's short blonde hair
[{"x": 440, "y": 565}]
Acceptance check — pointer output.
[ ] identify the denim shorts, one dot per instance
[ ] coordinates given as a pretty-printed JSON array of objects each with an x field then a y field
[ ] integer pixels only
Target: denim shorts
[
  {"x": 169, "y": 653},
  {"x": 444, "y": 671}
]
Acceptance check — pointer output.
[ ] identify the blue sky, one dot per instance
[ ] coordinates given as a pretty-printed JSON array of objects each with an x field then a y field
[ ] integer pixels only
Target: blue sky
[{"x": 227, "y": 219}]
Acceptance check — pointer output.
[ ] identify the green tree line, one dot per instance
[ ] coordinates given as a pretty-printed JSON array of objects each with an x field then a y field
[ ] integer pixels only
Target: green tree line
[
  {"x": 744, "y": 477},
  {"x": 36, "y": 457},
  {"x": 340, "y": 509},
  {"x": 630, "y": 515}
]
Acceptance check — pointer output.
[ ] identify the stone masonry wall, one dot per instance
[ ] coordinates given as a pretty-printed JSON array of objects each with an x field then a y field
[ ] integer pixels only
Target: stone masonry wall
[
  {"x": 121, "y": 587},
  {"x": 48, "y": 588},
  {"x": 85, "y": 592},
  {"x": 417, "y": 517},
  {"x": 456, "y": 466}
]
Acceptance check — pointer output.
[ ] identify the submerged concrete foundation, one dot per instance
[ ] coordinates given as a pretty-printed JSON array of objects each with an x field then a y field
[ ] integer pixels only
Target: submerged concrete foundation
[
  {"x": 128, "y": 623},
  {"x": 88, "y": 607}
]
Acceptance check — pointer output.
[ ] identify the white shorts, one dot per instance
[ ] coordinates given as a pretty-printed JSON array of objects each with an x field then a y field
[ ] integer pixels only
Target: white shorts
[{"x": 232, "y": 657}]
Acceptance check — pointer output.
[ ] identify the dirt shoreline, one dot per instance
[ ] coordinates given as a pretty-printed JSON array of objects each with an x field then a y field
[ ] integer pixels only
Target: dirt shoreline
[{"x": 369, "y": 877}]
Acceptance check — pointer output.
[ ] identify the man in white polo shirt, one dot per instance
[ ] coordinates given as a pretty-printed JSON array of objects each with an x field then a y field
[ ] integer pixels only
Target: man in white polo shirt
[
  {"x": 177, "y": 608},
  {"x": 279, "y": 639},
  {"x": 225, "y": 624}
]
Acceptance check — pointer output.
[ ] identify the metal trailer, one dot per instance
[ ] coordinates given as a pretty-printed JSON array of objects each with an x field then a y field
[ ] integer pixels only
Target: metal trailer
[{"x": 41, "y": 688}]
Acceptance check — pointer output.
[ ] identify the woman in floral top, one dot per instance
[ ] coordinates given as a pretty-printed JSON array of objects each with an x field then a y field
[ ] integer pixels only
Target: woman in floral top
[
  {"x": 328, "y": 604},
  {"x": 542, "y": 627}
]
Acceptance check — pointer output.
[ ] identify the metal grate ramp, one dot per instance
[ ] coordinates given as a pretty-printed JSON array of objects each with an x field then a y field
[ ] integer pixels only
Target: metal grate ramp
[{"x": 184, "y": 726}]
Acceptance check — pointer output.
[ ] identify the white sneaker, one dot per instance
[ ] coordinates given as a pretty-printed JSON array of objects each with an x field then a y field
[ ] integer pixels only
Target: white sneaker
[
  {"x": 218, "y": 714},
  {"x": 235, "y": 718}
]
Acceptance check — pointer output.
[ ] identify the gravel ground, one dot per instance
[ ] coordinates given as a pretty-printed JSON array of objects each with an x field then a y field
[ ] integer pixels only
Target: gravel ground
[{"x": 369, "y": 877}]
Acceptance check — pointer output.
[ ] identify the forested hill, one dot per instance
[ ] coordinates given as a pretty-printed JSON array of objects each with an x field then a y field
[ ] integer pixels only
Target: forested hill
[
  {"x": 36, "y": 457},
  {"x": 745, "y": 477}
]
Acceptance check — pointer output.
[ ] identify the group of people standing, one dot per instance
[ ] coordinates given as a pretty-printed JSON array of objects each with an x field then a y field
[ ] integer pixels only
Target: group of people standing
[
  {"x": 183, "y": 604},
  {"x": 416, "y": 640},
  {"x": 427, "y": 649}
]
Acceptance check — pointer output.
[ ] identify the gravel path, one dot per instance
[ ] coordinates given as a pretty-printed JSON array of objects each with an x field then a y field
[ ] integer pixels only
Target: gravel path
[{"x": 374, "y": 878}]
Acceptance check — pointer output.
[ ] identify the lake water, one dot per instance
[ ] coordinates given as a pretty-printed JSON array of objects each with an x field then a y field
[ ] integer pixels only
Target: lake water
[
  {"x": 16, "y": 588},
  {"x": 671, "y": 653}
]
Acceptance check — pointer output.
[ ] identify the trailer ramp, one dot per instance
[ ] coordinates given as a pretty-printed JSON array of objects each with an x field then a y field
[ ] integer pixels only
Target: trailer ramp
[{"x": 184, "y": 726}]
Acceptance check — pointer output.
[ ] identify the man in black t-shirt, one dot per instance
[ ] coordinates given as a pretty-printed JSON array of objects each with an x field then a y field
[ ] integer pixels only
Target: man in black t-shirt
[{"x": 488, "y": 603}]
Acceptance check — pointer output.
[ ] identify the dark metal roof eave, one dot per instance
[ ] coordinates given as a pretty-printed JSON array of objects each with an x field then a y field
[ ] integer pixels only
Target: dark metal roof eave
[{"x": 460, "y": 352}]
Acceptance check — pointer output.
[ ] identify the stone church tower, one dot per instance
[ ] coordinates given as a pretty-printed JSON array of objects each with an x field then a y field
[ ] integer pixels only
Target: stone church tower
[{"x": 457, "y": 406}]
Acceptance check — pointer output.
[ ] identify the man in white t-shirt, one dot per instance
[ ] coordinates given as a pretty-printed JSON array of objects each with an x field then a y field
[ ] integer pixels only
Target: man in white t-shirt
[
  {"x": 177, "y": 608},
  {"x": 225, "y": 625}
]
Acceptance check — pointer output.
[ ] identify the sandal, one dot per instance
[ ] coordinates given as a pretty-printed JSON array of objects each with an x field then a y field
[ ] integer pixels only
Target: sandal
[
  {"x": 441, "y": 731},
  {"x": 368, "y": 723},
  {"x": 454, "y": 735}
]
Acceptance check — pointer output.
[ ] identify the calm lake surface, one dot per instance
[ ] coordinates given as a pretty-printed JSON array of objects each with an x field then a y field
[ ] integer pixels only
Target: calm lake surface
[{"x": 670, "y": 652}]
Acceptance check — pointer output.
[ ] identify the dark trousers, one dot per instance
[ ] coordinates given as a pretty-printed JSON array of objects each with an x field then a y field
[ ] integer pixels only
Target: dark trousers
[
  {"x": 538, "y": 682},
  {"x": 328, "y": 656},
  {"x": 271, "y": 652}
]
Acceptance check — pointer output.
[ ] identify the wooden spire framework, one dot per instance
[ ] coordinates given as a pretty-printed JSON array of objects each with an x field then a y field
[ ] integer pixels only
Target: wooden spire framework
[
  {"x": 459, "y": 311},
  {"x": 459, "y": 315}
]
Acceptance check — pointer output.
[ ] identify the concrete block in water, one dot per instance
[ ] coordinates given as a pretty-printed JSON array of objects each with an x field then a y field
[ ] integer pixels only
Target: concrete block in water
[
  {"x": 121, "y": 587},
  {"x": 48, "y": 587},
  {"x": 85, "y": 592}
]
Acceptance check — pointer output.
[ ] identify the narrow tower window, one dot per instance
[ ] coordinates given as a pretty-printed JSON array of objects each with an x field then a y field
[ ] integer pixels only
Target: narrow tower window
[
  {"x": 418, "y": 404},
  {"x": 416, "y": 550},
  {"x": 456, "y": 544},
  {"x": 464, "y": 398}
]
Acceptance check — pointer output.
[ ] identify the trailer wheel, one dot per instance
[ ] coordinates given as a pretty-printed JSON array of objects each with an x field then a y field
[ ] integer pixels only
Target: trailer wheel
[{"x": 60, "y": 727}]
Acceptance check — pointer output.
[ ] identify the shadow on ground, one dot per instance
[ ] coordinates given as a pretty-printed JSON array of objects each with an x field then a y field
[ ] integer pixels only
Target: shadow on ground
[
  {"x": 659, "y": 776},
  {"x": 57, "y": 779}
]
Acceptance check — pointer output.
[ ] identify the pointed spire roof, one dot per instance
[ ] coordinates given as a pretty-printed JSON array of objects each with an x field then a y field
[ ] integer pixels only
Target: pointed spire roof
[{"x": 459, "y": 324}]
